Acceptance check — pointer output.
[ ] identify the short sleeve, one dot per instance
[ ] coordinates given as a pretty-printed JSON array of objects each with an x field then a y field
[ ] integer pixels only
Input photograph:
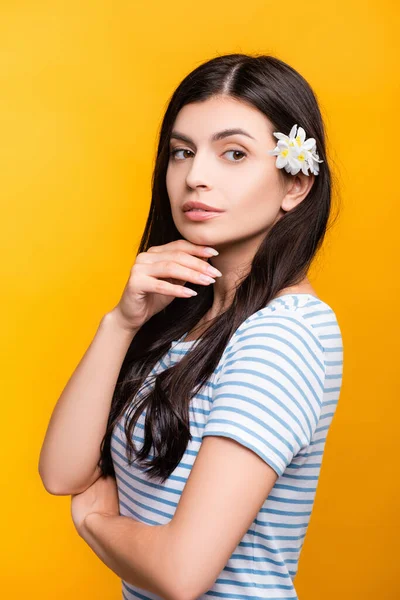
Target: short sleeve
[{"x": 269, "y": 391}]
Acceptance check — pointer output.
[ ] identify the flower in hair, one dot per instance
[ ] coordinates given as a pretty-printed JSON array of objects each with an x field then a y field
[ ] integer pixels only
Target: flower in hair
[{"x": 295, "y": 153}]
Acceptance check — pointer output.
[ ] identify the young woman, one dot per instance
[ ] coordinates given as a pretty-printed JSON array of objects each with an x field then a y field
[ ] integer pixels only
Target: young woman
[{"x": 192, "y": 433}]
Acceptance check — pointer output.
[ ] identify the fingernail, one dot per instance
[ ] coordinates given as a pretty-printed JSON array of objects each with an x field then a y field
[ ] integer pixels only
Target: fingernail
[
  {"x": 211, "y": 251},
  {"x": 213, "y": 271},
  {"x": 190, "y": 292}
]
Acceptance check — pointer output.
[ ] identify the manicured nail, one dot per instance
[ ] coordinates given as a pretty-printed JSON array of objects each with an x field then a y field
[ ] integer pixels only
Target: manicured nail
[
  {"x": 190, "y": 292},
  {"x": 211, "y": 251}
]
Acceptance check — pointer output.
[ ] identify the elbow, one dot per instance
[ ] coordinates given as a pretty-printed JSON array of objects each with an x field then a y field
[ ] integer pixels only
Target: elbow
[
  {"x": 48, "y": 482},
  {"x": 54, "y": 487},
  {"x": 168, "y": 571},
  {"x": 55, "y": 490},
  {"x": 173, "y": 592},
  {"x": 186, "y": 592},
  {"x": 51, "y": 487},
  {"x": 191, "y": 582},
  {"x": 181, "y": 579}
]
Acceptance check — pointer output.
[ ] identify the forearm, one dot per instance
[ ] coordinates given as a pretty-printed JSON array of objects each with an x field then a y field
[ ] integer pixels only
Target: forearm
[
  {"x": 136, "y": 552},
  {"x": 70, "y": 451}
]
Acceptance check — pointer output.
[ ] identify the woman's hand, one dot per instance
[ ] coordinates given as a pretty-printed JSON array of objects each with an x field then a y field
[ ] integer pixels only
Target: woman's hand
[
  {"x": 101, "y": 497},
  {"x": 158, "y": 277}
]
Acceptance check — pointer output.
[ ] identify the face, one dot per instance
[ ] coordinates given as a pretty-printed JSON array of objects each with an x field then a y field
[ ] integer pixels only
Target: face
[{"x": 234, "y": 174}]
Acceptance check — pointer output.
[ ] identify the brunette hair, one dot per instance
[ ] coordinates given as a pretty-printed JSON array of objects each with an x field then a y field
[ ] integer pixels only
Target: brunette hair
[{"x": 279, "y": 92}]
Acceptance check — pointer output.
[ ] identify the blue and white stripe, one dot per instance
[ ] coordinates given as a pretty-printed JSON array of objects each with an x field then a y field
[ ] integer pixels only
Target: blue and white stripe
[{"x": 275, "y": 390}]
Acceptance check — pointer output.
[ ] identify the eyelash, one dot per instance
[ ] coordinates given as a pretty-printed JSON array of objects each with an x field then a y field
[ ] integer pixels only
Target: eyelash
[{"x": 174, "y": 152}]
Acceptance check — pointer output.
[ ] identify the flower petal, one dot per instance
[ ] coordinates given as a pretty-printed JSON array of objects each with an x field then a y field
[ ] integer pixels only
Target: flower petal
[
  {"x": 282, "y": 144},
  {"x": 292, "y": 133},
  {"x": 301, "y": 134},
  {"x": 304, "y": 167},
  {"x": 281, "y": 136},
  {"x": 309, "y": 144},
  {"x": 281, "y": 161}
]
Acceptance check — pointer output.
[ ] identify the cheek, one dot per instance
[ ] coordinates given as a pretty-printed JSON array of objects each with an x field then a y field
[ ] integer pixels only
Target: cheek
[
  {"x": 258, "y": 196},
  {"x": 172, "y": 188},
  {"x": 168, "y": 180}
]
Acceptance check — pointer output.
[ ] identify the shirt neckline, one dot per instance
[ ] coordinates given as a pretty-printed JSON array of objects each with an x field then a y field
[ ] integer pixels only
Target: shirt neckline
[{"x": 183, "y": 344}]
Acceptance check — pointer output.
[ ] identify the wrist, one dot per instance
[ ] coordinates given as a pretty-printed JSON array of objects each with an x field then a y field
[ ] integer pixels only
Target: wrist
[
  {"x": 86, "y": 527},
  {"x": 115, "y": 320}
]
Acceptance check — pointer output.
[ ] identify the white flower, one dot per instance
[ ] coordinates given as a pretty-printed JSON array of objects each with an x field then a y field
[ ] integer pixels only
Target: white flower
[
  {"x": 295, "y": 153},
  {"x": 313, "y": 160}
]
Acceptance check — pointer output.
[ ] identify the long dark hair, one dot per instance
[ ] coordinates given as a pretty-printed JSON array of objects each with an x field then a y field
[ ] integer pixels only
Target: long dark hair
[{"x": 282, "y": 260}]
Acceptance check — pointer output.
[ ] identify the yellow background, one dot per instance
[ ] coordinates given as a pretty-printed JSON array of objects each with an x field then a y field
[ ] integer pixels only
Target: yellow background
[{"x": 84, "y": 86}]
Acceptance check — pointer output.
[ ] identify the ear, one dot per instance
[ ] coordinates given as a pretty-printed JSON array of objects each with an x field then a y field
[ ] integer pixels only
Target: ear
[{"x": 297, "y": 190}]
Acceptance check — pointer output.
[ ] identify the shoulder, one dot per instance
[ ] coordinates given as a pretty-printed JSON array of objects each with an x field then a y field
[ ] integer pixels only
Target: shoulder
[
  {"x": 292, "y": 327},
  {"x": 300, "y": 318}
]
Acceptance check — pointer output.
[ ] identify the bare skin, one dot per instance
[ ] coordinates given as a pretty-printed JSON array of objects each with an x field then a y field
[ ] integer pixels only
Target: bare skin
[
  {"x": 304, "y": 287},
  {"x": 248, "y": 189}
]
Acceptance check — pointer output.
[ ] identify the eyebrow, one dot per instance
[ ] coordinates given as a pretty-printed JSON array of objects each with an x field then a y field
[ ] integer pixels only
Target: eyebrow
[{"x": 214, "y": 138}]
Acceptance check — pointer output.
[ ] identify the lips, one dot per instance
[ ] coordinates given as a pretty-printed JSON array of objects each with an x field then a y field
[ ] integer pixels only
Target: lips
[
  {"x": 198, "y": 205},
  {"x": 201, "y": 215}
]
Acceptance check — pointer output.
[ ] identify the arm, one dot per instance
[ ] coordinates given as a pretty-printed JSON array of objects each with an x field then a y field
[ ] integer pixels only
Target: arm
[
  {"x": 255, "y": 428},
  {"x": 225, "y": 490},
  {"x": 71, "y": 448},
  {"x": 136, "y": 552},
  {"x": 182, "y": 559},
  {"x": 265, "y": 409}
]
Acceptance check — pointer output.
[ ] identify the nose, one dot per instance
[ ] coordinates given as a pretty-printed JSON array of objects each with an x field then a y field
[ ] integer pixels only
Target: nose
[{"x": 199, "y": 172}]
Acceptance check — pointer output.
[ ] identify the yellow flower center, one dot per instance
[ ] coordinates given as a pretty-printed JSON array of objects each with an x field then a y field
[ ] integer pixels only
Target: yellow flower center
[
  {"x": 301, "y": 157},
  {"x": 298, "y": 140},
  {"x": 284, "y": 153}
]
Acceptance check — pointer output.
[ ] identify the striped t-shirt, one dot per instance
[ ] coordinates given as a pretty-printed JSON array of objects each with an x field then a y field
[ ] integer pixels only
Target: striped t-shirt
[{"x": 275, "y": 390}]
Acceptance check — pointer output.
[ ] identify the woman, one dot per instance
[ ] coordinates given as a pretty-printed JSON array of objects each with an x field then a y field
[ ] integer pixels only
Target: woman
[{"x": 212, "y": 410}]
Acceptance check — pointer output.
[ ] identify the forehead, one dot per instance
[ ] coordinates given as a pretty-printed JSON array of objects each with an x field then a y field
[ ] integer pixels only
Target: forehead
[{"x": 200, "y": 120}]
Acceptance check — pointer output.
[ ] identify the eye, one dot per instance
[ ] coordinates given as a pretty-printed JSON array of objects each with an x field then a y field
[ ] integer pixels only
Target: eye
[
  {"x": 237, "y": 152},
  {"x": 174, "y": 153}
]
